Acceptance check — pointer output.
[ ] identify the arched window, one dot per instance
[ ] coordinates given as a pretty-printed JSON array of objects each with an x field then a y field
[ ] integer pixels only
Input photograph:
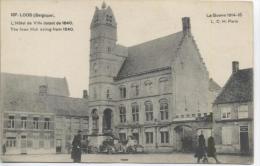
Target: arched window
[
  {"x": 108, "y": 94},
  {"x": 135, "y": 112},
  {"x": 148, "y": 111},
  {"x": 164, "y": 109},
  {"x": 94, "y": 93},
  {"x": 122, "y": 113},
  {"x": 94, "y": 119}
]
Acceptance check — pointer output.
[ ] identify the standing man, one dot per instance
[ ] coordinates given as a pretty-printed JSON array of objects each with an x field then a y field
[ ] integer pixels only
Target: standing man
[
  {"x": 201, "y": 149},
  {"x": 4, "y": 149},
  {"x": 212, "y": 149},
  {"x": 76, "y": 148}
]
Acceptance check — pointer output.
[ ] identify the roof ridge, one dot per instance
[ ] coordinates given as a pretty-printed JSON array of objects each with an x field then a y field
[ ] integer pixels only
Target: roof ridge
[
  {"x": 163, "y": 37},
  {"x": 31, "y": 75}
]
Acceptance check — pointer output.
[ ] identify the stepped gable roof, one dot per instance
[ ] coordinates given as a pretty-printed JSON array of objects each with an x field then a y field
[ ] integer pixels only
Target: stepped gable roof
[
  {"x": 152, "y": 55},
  {"x": 13, "y": 83},
  {"x": 213, "y": 86},
  {"x": 239, "y": 88}
]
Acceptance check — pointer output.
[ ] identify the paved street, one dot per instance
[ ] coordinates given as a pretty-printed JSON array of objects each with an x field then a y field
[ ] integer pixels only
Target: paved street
[{"x": 126, "y": 158}]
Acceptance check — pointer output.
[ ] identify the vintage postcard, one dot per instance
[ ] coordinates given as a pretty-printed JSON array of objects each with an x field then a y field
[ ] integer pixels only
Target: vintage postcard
[{"x": 112, "y": 81}]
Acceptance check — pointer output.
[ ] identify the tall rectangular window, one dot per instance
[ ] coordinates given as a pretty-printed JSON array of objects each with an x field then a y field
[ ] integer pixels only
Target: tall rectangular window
[
  {"x": 164, "y": 109},
  {"x": 148, "y": 137},
  {"x": 36, "y": 123},
  {"x": 47, "y": 123},
  {"x": 122, "y": 114},
  {"x": 164, "y": 137},
  {"x": 149, "y": 111},
  {"x": 11, "y": 122},
  {"x": 135, "y": 90},
  {"x": 122, "y": 92},
  {"x": 23, "y": 122},
  {"x": 135, "y": 112},
  {"x": 243, "y": 111}
]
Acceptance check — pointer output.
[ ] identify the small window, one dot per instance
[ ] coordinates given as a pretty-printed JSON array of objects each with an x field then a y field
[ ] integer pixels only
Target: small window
[
  {"x": 11, "y": 122},
  {"x": 243, "y": 111},
  {"x": 24, "y": 122},
  {"x": 226, "y": 113},
  {"x": 47, "y": 123},
  {"x": 36, "y": 123}
]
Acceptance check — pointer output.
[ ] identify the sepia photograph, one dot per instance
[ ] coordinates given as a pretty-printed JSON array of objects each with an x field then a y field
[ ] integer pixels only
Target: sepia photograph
[{"x": 109, "y": 81}]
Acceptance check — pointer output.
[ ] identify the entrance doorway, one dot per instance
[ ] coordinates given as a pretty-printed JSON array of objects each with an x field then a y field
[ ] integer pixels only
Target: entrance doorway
[
  {"x": 58, "y": 146},
  {"x": 23, "y": 144},
  {"x": 107, "y": 119},
  {"x": 184, "y": 138},
  {"x": 244, "y": 140}
]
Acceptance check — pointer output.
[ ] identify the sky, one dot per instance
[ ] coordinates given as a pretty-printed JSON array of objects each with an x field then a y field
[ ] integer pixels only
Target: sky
[{"x": 66, "y": 54}]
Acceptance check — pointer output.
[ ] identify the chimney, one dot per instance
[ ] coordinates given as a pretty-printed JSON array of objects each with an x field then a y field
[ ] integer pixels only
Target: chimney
[
  {"x": 43, "y": 89},
  {"x": 85, "y": 94},
  {"x": 186, "y": 25},
  {"x": 235, "y": 66}
]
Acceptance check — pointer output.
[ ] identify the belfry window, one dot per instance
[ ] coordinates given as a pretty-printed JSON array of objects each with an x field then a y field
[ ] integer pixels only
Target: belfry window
[{"x": 109, "y": 19}]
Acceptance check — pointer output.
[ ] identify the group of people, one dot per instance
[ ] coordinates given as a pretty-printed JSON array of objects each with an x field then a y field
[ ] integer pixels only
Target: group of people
[{"x": 203, "y": 152}]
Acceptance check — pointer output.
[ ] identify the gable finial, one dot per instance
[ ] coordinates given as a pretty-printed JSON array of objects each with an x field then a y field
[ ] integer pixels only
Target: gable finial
[{"x": 104, "y": 5}]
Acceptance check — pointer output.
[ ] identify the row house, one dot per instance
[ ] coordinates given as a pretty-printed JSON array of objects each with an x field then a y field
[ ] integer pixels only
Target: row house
[{"x": 234, "y": 113}]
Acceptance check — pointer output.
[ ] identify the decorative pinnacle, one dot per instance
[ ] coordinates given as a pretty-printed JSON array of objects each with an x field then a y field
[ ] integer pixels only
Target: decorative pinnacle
[{"x": 104, "y": 5}]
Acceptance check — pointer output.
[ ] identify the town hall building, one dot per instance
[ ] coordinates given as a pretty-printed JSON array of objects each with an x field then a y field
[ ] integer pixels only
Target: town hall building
[{"x": 156, "y": 91}]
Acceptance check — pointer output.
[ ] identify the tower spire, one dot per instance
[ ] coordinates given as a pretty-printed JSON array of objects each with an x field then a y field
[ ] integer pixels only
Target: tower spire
[{"x": 104, "y": 5}]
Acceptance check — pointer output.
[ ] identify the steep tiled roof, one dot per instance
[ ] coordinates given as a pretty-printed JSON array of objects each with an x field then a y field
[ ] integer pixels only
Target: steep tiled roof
[
  {"x": 239, "y": 88},
  {"x": 29, "y": 83},
  {"x": 151, "y": 55},
  {"x": 67, "y": 106},
  {"x": 23, "y": 102},
  {"x": 19, "y": 97}
]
